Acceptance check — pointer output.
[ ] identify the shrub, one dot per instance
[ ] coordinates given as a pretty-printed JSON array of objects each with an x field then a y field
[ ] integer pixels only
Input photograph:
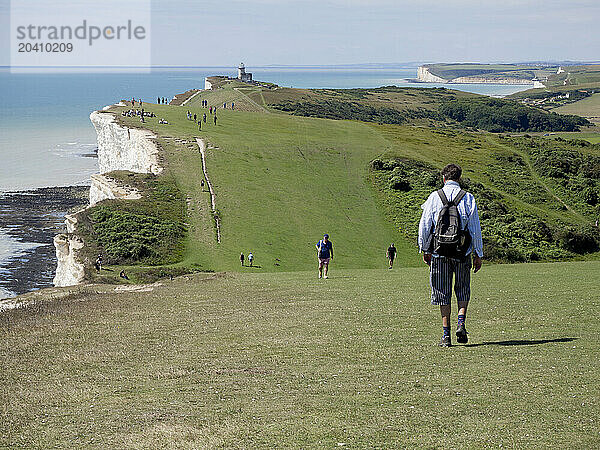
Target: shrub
[{"x": 398, "y": 184}]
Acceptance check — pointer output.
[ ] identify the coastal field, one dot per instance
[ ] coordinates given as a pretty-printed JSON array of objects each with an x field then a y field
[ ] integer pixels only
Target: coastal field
[
  {"x": 282, "y": 180},
  {"x": 276, "y": 361}
]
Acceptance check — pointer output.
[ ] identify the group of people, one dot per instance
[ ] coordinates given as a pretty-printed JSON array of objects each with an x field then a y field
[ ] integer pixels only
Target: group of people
[
  {"x": 137, "y": 113},
  {"x": 196, "y": 119},
  {"x": 250, "y": 259},
  {"x": 162, "y": 100}
]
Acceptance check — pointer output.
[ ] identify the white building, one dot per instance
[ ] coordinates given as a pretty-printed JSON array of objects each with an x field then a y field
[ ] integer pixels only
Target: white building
[{"x": 242, "y": 74}]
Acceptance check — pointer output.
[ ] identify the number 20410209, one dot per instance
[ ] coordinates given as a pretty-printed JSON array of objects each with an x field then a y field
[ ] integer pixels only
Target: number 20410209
[{"x": 48, "y": 47}]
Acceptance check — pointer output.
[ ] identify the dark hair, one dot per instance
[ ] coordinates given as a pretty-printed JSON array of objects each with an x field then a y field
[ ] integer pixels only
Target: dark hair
[{"x": 452, "y": 172}]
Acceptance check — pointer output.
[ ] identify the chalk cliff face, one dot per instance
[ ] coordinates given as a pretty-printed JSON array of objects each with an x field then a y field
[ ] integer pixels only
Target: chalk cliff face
[
  {"x": 103, "y": 188},
  {"x": 483, "y": 80},
  {"x": 69, "y": 270},
  {"x": 425, "y": 76},
  {"x": 119, "y": 148}
]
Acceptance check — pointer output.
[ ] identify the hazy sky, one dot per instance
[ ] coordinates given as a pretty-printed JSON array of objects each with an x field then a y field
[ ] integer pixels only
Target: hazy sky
[{"x": 262, "y": 32}]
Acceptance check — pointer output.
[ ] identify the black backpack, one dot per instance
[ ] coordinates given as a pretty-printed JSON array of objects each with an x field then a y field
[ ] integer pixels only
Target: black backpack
[{"x": 449, "y": 238}]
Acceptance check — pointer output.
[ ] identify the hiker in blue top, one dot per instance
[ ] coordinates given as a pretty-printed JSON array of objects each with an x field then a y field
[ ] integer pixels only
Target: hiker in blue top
[
  {"x": 449, "y": 238},
  {"x": 325, "y": 253}
]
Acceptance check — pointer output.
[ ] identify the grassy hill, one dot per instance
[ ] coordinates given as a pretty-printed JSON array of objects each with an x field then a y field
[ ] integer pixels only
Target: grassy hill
[
  {"x": 258, "y": 360},
  {"x": 283, "y": 180}
]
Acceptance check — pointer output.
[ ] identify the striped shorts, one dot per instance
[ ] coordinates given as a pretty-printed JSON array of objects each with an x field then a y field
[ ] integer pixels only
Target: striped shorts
[{"x": 441, "y": 271}]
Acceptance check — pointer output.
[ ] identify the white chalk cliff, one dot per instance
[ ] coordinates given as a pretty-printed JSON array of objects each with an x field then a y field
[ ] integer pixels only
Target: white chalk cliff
[
  {"x": 119, "y": 148},
  {"x": 425, "y": 76},
  {"x": 122, "y": 148}
]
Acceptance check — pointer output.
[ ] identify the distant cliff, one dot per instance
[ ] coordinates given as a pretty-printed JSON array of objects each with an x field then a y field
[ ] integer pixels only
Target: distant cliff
[
  {"x": 424, "y": 75},
  {"x": 119, "y": 148}
]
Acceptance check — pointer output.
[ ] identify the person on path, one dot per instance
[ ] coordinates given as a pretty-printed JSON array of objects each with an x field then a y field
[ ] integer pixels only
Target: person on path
[
  {"x": 98, "y": 264},
  {"x": 443, "y": 268},
  {"x": 250, "y": 258},
  {"x": 199, "y": 125},
  {"x": 204, "y": 117},
  {"x": 195, "y": 117},
  {"x": 242, "y": 259},
  {"x": 391, "y": 254},
  {"x": 215, "y": 119},
  {"x": 324, "y": 254},
  {"x": 202, "y": 186},
  {"x": 232, "y": 105}
]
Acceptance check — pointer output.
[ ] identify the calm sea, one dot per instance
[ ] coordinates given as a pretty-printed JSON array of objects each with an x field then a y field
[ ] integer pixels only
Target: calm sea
[{"x": 46, "y": 138}]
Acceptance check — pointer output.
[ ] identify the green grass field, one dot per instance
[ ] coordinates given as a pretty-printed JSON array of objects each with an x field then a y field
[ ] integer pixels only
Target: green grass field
[
  {"x": 280, "y": 182},
  {"x": 288, "y": 361},
  {"x": 588, "y": 107}
]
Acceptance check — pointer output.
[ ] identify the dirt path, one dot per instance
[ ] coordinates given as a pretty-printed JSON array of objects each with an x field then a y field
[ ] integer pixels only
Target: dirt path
[
  {"x": 252, "y": 101},
  {"x": 213, "y": 200}
]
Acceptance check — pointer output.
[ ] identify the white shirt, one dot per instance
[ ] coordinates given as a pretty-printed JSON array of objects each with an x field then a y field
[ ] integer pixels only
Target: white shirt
[{"x": 469, "y": 217}]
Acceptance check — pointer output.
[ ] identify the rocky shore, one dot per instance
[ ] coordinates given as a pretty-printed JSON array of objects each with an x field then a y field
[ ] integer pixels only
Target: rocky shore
[{"x": 35, "y": 217}]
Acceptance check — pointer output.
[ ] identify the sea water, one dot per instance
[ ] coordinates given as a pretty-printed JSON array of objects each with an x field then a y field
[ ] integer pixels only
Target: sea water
[{"x": 46, "y": 138}]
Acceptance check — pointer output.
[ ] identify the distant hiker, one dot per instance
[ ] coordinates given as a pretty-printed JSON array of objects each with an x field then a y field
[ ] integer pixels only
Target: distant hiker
[
  {"x": 204, "y": 117},
  {"x": 449, "y": 233},
  {"x": 215, "y": 119},
  {"x": 202, "y": 186},
  {"x": 224, "y": 105},
  {"x": 232, "y": 105},
  {"x": 158, "y": 100},
  {"x": 391, "y": 254},
  {"x": 199, "y": 125},
  {"x": 210, "y": 110},
  {"x": 194, "y": 117},
  {"x": 122, "y": 275},
  {"x": 242, "y": 259},
  {"x": 250, "y": 258},
  {"x": 98, "y": 263},
  {"x": 324, "y": 254}
]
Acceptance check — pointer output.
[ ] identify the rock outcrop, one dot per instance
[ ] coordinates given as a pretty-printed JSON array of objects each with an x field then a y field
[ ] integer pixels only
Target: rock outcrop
[
  {"x": 104, "y": 187},
  {"x": 70, "y": 269}
]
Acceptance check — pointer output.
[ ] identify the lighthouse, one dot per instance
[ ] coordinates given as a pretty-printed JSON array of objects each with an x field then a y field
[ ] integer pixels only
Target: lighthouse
[{"x": 242, "y": 74}]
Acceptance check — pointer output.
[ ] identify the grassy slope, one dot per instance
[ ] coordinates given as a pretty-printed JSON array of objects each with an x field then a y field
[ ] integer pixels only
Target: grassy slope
[
  {"x": 281, "y": 182},
  {"x": 256, "y": 360},
  {"x": 587, "y": 107}
]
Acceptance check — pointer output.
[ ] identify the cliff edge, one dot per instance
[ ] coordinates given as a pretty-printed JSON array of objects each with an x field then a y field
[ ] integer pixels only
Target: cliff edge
[{"x": 119, "y": 148}]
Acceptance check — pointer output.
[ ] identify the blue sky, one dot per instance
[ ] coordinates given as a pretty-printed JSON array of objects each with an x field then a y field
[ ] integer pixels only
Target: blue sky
[{"x": 263, "y": 32}]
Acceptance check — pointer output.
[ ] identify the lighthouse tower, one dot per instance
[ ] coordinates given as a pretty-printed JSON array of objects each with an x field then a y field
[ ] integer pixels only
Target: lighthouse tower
[{"x": 242, "y": 74}]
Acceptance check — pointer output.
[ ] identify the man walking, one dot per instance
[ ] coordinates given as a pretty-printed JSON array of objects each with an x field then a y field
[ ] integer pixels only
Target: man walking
[
  {"x": 391, "y": 254},
  {"x": 325, "y": 253},
  {"x": 448, "y": 250}
]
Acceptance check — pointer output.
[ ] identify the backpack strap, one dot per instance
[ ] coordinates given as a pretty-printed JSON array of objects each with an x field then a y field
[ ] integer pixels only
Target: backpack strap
[
  {"x": 459, "y": 197},
  {"x": 443, "y": 197}
]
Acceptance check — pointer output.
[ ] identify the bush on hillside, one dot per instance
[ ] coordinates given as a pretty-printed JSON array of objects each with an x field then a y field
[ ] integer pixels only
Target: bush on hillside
[
  {"x": 129, "y": 237},
  {"x": 496, "y": 116}
]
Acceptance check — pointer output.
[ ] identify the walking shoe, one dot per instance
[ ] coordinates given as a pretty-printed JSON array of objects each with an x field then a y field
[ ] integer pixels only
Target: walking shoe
[
  {"x": 461, "y": 334},
  {"x": 445, "y": 341},
  {"x": 325, "y": 276}
]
